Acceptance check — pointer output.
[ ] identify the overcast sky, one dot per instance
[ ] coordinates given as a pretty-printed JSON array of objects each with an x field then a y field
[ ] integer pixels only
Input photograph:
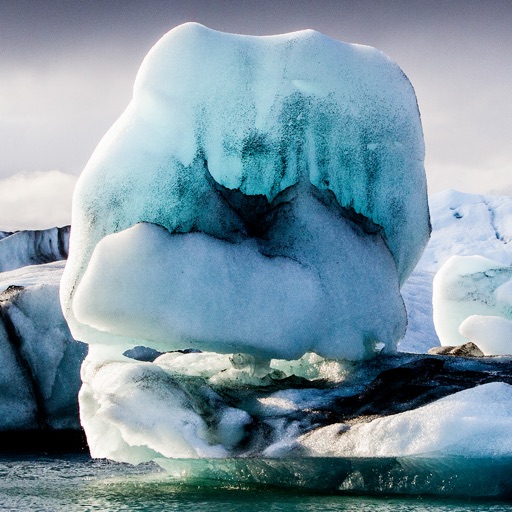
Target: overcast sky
[{"x": 67, "y": 69}]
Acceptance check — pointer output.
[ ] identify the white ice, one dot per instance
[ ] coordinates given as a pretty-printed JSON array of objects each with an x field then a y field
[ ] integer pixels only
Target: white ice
[{"x": 471, "y": 423}]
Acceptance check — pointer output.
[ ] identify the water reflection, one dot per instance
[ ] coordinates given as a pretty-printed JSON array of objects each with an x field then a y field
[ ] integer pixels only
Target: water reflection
[{"x": 78, "y": 483}]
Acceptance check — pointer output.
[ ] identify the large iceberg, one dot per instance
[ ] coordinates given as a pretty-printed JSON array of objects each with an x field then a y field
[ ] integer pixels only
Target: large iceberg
[
  {"x": 260, "y": 199},
  {"x": 263, "y": 195}
]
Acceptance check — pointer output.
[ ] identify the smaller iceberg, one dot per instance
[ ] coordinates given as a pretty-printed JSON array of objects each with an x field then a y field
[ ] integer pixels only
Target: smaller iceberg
[
  {"x": 40, "y": 376},
  {"x": 472, "y": 300}
]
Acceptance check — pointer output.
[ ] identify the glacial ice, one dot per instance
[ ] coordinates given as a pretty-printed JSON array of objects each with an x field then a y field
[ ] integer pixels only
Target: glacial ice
[
  {"x": 466, "y": 225},
  {"x": 22, "y": 248},
  {"x": 274, "y": 193},
  {"x": 472, "y": 300},
  {"x": 462, "y": 225},
  {"x": 260, "y": 199}
]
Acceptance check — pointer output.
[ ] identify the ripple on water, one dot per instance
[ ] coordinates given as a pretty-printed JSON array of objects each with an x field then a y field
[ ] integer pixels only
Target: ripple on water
[{"x": 77, "y": 483}]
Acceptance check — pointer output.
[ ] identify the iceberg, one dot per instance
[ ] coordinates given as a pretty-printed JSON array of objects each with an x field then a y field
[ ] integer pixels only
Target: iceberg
[
  {"x": 263, "y": 195},
  {"x": 462, "y": 225},
  {"x": 243, "y": 228},
  {"x": 22, "y": 248}
]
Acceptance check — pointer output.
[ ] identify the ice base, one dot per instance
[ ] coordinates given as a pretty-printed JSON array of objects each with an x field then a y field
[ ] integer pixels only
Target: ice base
[
  {"x": 212, "y": 406},
  {"x": 452, "y": 476}
]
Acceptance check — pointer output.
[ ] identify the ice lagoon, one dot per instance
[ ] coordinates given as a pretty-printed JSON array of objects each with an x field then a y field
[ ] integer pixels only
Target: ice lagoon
[{"x": 288, "y": 231}]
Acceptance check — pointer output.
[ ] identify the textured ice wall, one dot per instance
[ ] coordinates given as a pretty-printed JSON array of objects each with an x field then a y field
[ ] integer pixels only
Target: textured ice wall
[
  {"x": 295, "y": 151},
  {"x": 23, "y": 248}
]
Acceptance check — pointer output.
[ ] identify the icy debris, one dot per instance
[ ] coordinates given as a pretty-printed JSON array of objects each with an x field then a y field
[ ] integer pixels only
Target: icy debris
[{"x": 467, "y": 350}]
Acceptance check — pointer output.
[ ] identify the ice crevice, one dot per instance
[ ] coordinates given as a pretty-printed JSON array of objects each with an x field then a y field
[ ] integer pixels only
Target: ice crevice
[{"x": 493, "y": 223}]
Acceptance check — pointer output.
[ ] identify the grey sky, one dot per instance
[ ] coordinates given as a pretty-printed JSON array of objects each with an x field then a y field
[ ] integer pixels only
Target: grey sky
[{"x": 67, "y": 68}]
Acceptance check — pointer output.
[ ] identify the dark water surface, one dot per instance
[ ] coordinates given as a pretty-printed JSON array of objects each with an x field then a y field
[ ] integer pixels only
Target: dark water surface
[{"x": 75, "y": 482}]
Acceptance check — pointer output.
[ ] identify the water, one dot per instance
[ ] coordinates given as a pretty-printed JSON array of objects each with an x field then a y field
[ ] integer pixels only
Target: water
[{"x": 77, "y": 483}]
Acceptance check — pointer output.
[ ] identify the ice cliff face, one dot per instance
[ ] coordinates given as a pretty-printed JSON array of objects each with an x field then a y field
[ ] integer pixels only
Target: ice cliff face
[{"x": 263, "y": 195}]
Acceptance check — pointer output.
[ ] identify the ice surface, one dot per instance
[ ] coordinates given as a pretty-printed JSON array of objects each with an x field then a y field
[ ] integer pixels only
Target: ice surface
[
  {"x": 32, "y": 275},
  {"x": 475, "y": 292},
  {"x": 286, "y": 175},
  {"x": 473, "y": 423},
  {"x": 467, "y": 225},
  {"x": 261, "y": 198},
  {"x": 207, "y": 405}
]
